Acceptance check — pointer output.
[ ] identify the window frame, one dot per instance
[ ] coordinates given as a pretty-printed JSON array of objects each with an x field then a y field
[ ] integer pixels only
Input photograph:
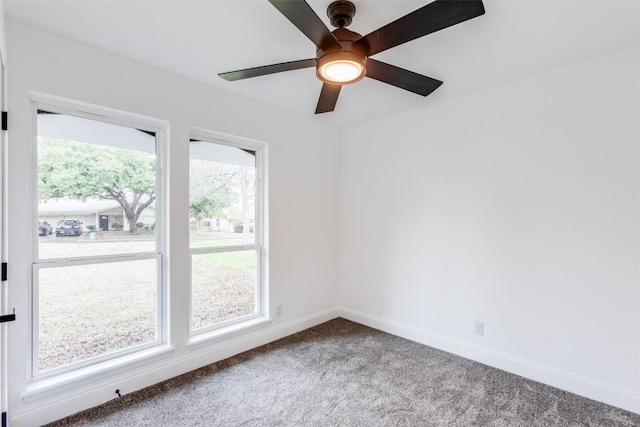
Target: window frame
[
  {"x": 260, "y": 316},
  {"x": 160, "y": 128}
]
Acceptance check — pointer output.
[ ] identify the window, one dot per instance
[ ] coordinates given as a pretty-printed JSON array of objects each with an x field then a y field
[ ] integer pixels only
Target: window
[
  {"x": 225, "y": 189},
  {"x": 97, "y": 270}
]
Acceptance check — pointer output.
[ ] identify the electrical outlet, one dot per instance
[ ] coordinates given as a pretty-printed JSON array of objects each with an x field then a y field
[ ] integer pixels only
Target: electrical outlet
[
  {"x": 278, "y": 310},
  {"x": 478, "y": 327}
]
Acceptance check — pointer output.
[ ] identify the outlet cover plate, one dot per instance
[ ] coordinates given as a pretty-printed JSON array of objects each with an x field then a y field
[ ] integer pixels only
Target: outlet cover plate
[{"x": 478, "y": 327}]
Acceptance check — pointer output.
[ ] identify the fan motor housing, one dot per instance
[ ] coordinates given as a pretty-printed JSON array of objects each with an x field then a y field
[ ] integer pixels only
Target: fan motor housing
[{"x": 346, "y": 39}]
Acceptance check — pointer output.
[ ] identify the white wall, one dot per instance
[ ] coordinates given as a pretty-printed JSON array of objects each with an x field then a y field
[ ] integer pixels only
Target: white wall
[
  {"x": 303, "y": 199},
  {"x": 519, "y": 206}
]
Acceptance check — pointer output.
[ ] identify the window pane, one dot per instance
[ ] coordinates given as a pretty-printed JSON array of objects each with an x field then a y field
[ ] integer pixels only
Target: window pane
[
  {"x": 222, "y": 195},
  {"x": 96, "y": 188},
  {"x": 90, "y": 310},
  {"x": 223, "y": 287}
]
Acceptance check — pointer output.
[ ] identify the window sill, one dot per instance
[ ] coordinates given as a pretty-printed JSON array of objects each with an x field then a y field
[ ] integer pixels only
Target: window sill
[
  {"x": 227, "y": 332},
  {"x": 39, "y": 389}
]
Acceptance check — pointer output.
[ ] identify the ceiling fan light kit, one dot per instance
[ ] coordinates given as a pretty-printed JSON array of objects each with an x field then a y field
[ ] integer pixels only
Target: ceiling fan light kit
[
  {"x": 341, "y": 68},
  {"x": 344, "y": 57}
]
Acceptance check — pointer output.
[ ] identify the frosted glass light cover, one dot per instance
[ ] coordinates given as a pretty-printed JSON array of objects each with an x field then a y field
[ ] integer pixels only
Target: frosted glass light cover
[{"x": 342, "y": 71}]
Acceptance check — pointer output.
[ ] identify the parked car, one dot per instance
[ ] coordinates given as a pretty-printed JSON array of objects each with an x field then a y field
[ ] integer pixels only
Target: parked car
[
  {"x": 239, "y": 228},
  {"x": 69, "y": 227},
  {"x": 44, "y": 228}
]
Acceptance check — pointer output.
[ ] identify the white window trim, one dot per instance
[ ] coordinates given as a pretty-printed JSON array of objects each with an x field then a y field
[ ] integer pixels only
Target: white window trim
[
  {"x": 61, "y": 379},
  {"x": 228, "y": 331},
  {"x": 210, "y": 334},
  {"x": 64, "y": 382}
]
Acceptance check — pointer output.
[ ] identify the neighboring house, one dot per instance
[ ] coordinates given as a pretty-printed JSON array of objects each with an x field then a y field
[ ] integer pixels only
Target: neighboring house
[{"x": 105, "y": 215}]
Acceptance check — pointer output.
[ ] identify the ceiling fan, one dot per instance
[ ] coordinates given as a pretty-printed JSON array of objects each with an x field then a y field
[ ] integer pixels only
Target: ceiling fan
[{"x": 344, "y": 57}]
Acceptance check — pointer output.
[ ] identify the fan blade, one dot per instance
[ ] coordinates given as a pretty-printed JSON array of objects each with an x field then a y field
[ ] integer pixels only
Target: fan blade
[
  {"x": 268, "y": 69},
  {"x": 428, "y": 19},
  {"x": 328, "y": 98},
  {"x": 302, "y": 16},
  {"x": 399, "y": 77}
]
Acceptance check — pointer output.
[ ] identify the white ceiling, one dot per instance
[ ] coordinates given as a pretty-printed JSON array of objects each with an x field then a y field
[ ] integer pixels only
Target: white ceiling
[{"x": 199, "y": 39}]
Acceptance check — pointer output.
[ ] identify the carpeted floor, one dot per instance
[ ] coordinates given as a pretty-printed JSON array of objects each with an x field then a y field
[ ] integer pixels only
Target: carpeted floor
[{"x": 344, "y": 374}]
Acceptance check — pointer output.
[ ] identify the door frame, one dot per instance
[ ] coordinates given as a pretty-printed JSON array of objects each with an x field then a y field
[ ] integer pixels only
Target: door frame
[{"x": 4, "y": 301}]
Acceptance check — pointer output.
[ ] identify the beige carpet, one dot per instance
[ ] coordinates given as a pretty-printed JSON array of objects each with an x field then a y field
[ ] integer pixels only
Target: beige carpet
[{"x": 344, "y": 374}]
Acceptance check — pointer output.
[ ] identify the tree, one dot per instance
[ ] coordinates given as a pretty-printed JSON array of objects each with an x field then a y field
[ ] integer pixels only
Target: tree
[
  {"x": 247, "y": 182},
  {"x": 80, "y": 171},
  {"x": 210, "y": 184}
]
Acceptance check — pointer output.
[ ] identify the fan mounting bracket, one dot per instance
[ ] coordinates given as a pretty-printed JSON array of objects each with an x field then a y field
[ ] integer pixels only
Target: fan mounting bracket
[{"x": 341, "y": 13}]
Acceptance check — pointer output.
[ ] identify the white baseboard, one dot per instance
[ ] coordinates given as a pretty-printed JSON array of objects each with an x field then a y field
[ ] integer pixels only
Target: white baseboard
[
  {"x": 592, "y": 389},
  {"x": 56, "y": 407}
]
